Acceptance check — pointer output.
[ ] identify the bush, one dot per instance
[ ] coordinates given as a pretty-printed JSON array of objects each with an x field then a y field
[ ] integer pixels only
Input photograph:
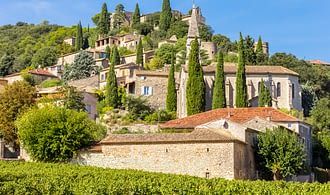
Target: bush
[
  {"x": 51, "y": 83},
  {"x": 160, "y": 116}
]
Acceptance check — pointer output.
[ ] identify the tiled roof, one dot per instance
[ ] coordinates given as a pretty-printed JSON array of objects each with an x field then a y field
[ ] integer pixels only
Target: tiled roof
[
  {"x": 88, "y": 84},
  {"x": 42, "y": 72},
  {"x": 319, "y": 62},
  {"x": 238, "y": 115},
  {"x": 151, "y": 73},
  {"x": 198, "y": 135}
]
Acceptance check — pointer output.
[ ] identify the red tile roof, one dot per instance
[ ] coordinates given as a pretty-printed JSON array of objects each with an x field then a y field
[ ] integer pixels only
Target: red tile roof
[
  {"x": 41, "y": 72},
  {"x": 319, "y": 62},
  {"x": 239, "y": 115}
]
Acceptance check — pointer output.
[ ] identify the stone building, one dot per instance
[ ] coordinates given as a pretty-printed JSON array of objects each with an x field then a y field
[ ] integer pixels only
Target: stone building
[
  {"x": 38, "y": 75},
  {"x": 130, "y": 41},
  {"x": 147, "y": 56}
]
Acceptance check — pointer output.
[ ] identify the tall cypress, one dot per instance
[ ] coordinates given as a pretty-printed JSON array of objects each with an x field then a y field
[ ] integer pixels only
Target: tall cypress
[
  {"x": 259, "y": 46},
  {"x": 108, "y": 52},
  {"x": 115, "y": 58},
  {"x": 111, "y": 88},
  {"x": 139, "y": 53},
  {"x": 195, "y": 90},
  {"x": 265, "y": 98},
  {"x": 103, "y": 25},
  {"x": 165, "y": 16},
  {"x": 219, "y": 97},
  {"x": 241, "y": 89},
  {"x": 171, "y": 98},
  {"x": 261, "y": 57},
  {"x": 79, "y": 37},
  {"x": 136, "y": 16}
]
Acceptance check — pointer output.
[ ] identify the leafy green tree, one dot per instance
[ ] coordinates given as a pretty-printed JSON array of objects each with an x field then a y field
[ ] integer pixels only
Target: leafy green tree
[
  {"x": 103, "y": 24},
  {"x": 250, "y": 55},
  {"x": 320, "y": 115},
  {"x": 165, "y": 16},
  {"x": 165, "y": 53},
  {"x": 81, "y": 67},
  {"x": 51, "y": 83},
  {"x": 136, "y": 16},
  {"x": 44, "y": 57},
  {"x": 259, "y": 46},
  {"x": 241, "y": 90},
  {"x": 115, "y": 57},
  {"x": 265, "y": 98},
  {"x": 261, "y": 57},
  {"x": 308, "y": 98},
  {"x": 139, "y": 53},
  {"x": 119, "y": 16},
  {"x": 111, "y": 88},
  {"x": 79, "y": 37},
  {"x": 72, "y": 98},
  {"x": 108, "y": 52},
  {"x": 205, "y": 32},
  {"x": 155, "y": 63},
  {"x": 6, "y": 63},
  {"x": 282, "y": 152},
  {"x": 55, "y": 134},
  {"x": 137, "y": 107},
  {"x": 14, "y": 100},
  {"x": 178, "y": 28},
  {"x": 195, "y": 85},
  {"x": 219, "y": 97},
  {"x": 85, "y": 39},
  {"x": 171, "y": 98},
  {"x": 223, "y": 43}
]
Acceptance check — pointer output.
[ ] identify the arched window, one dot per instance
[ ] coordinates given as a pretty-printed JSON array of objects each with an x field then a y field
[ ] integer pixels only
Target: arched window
[
  {"x": 278, "y": 89},
  {"x": 292, "y": 88}
]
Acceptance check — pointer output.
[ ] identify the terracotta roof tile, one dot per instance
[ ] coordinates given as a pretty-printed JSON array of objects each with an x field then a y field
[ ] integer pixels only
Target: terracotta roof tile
[
  {"x": 238, "y": 115},
  {"x": 151, "y": 73},
  {"x": 319, "y": 62},
  {"x": 42, "y": 72}
]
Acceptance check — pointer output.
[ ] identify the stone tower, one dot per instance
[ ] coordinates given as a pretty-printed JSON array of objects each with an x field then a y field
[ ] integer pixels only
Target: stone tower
[{"x": 193, "y": 31}]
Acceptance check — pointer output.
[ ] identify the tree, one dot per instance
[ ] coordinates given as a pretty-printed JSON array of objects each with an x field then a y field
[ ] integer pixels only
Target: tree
[
  {"x": 55, "y": 134},
  {"x": 241, "y": 90},
  {"x": 136, "y": 16},
  {"x": 320, "y": 115},
  {"x": 81, "y": 67},
  {"x": 205, "y": 32},
  {"x": 115, "y": 57},
  {"x": 139, "y": 53},
  {"x": 223, "y": 43},
  {"x": 261, "y": 57},
  {"x": 308, "y": 98},
  {"x": 178, "y": 28},
  {"x": 265, "y": 98},
  {"x": 250, "y": 55},
  {"x": 165, "y": 16},
  {"x": 44, "y": 57},
  {"x": 7, "y": 62},
  {"x": 111, "y": 88},
  {"x": 281, "y": 151},
  {"x": 79, "y": 37},
  {"x": 259, "y": 46},
  {"x": 108, "y": 52},
  {"x": 219, "y": 97},
  {"x": 195, "y": 85},
  {"x": 103, "y": 24},
  {"x": 85, "y": 39},
  {"x": 171, "y": 98},
  {"x": 164, "y": 52},
  {"x": 119, "y": 16},
  {"x": 15, "y": 99},
  {"x": 72, "y": 98}
]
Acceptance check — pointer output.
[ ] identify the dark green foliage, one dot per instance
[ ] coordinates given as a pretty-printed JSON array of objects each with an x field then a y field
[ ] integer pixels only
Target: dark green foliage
[
  {"x": 137, "y": 107},
  {"x": 241, "y": 90},
  {"x": 282, "y": 152},
  {"x": 250, "y": 55},
  {"x": 205, "y": 32},
  {"x": 111, "y": 88},
  {"x": 195, "y": 85},
  {"x": 320, "y": 115},
  {"x": 165, "y": 53},
  {"x": 115, "y": 57},
  {"x": 139, "y": 53},
  {"x": 160, "y": 116},
  {"x": 51, "y": 83},
  {"x": 223, "y": 43},
  {"x": 81, "y": 67},
  {"x": 308, "y": 98},
  {"x": 108, "y": 52},
  {"x": 144, "y": 28},
  {"x": 119, "y": 16},
  {"x": 259, "y": 46},
  {"x": 54, "y": 134},
  {"x": 219, "y": 97},
  {"x": 165, "y": 16},
  {"x": 44, "y": 57},
  {"x": 79, "y": 37},
  {"x": 72, "y": 98},
  {"x": 86, "y": 40},
  {"x": 261, "y": 57},
  {"x": 265, "y": 98},
  {"x": 178, "y": 28},
  {"x": 136, "y": 16},
  {"x": 103, "y": 24},
  {"x": 171, "y": 98},
  {"x": 7, "y": 62}
]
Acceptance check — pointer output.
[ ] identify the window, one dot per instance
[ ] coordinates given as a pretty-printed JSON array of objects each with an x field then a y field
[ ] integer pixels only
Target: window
[
  {"x": 278, "y": 89},
  {"x": 292, "y": 89},
  {"x": 89, "y": 108},
  {"x": 289, "y": 125},
  {"x": 143, "y": 78},
  {"x": 146, "y": 90},
  {"x": 102, "y": 77}
]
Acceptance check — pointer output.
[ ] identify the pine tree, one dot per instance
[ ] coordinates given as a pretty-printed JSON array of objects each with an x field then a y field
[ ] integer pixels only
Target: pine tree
[
  {"x": 136, "y": 16},
  {"x": 139, "y": 53},
  {"x": 165, "y": 16},
  {"x": 115, "y": 58},
  {"x": 108, "y": 52},
  {"x": 241, "y": 90},
  {"x": 171, "y": 98},
  {"x": 219, "y": 98},
  {"x": 103, "y": 25},
  {"x": 79, "y": 37},
  {"x": 265, "y": 98},
  {"x": 261, "y": 57},
  {"x": 259, "y": 46},
  {"x": 195, "y": 96},
  {"x": 111, "y": 88}
]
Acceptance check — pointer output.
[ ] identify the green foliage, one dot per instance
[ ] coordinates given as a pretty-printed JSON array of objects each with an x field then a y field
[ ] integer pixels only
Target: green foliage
[
  {"x": 165, "y": 16},
  {"x": 51, "y": 83},
  {"x": 72, "y": 98},
  {"x": 111, "y": 88},
  {"x": 171, "y": 97},
  {"x": 205, "y": 32},
  {"x": 108, "y": 52},
  {"x": 308, "y": 98},
  {"x": 144, "y": 28},
  {"x": 231, "y": 58},
  {"x": 103, "y": 23},
  {"x": 178, "y": 28},
  {"x": 265, "y": 98},
  {"x": 136, "y": 16},
  {"x": 223, "y": 43},
  {"x": 14, "y": 100},
  {"x": 261, "y": 57},
  {"x": 7, "y": 62},
  {"x": 165, "y": 53},
  {"x": 123, "y": 51},
  {"x": 139, "y": 53},
  {"x": 28, "y": 77},
  {"x": 44, "y": 57},
  {"x": 81, "y": 67},
  {"x": 195, "y": 96},
  {"x": 155, "y": 63},
  {"x": 282, "y": 152},
  {"x": 79, "y": 37},
  {"x": 250, "y": 55},
  {"x": 241, "y": 89},
  {"x": 47, "y": 178},
  {"x": 54, "y": 134},
  {"x": 160, "y": 116},
  {"x": 259, "y": 46},
  {"x": 137, "y": 107},
  {"x": 115, "y": 57},
  {"x": 320, "y": 115},
  {"x": 118, "y": 16},
  {"x": 219, "y": 97}
]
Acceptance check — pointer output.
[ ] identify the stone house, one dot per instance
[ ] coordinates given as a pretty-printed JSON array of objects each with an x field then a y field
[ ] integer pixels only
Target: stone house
[
  {"x": 70, "y": 41},
  {"x": 147, "y": 56},
  {"x": 38, "y": 75},
  {"x": 129, "y": 41}
]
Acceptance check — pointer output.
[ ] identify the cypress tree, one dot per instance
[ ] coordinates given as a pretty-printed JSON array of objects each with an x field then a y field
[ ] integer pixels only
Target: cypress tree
[
  {"x": 103, "y": 25},
  {"x": 139, "y": 53},
  {"x": 171, "y": 98},
  {"x": 259, "y": 46},
  {"x": 111, "y": 88},
  {"x": 241, "y": 90},
  {"x": 108, "y": 52},
  {"x": 115, "y": 58},
  {"x": 219, "y": 98},
  {"x": 265, "y": 98},
  {"x": 79, "y": 37},
  {"x": 165, "y": 16},
  {"x": 261, "y": 57},
  {"x": 136, "y": 16},
  {"x": 195, "y": 90}
]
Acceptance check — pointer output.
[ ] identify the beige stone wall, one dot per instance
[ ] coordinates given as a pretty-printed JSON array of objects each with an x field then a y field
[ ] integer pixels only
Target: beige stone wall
[
  {"x": 210, "y": 48},
  {"x": 90, "y": 101},
  {"x": 11, "y": 79}
]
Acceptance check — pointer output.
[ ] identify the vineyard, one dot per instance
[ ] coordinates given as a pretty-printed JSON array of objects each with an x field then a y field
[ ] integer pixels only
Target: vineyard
[{"x": 41, "y": 178}]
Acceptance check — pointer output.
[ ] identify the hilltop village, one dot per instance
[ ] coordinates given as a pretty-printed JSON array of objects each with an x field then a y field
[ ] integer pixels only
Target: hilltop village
[{"x": 166, "y": 96}]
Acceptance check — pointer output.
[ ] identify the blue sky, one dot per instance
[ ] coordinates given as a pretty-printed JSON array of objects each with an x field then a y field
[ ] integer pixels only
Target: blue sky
[{"x": 300, "y": 27}]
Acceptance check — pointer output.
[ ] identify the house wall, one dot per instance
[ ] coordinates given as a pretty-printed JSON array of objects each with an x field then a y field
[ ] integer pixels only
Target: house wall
[
  {"x": 90, "y": 101},
  {"x": 210, "y": 48},
  {"x": 12, "y": 79},
  {"x": 196, "y": 159}
]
